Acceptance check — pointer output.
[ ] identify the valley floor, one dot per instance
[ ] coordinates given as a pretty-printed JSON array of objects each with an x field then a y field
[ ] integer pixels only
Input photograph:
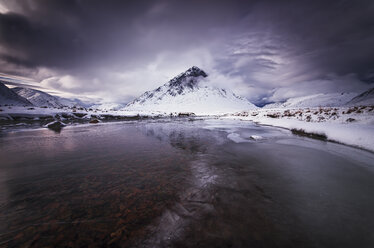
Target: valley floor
[{"x": 348, "y": 125}]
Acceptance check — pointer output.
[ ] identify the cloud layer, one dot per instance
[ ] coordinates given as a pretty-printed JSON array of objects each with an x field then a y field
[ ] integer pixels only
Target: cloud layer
[{"x": 115, "y": 50}]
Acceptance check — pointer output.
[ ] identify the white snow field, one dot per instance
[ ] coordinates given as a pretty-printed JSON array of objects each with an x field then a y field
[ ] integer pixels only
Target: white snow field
[{"x": 316, "y": 100}]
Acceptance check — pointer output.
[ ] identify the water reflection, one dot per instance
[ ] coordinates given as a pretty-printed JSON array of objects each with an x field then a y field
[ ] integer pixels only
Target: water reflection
[
  {"x": 186, "y": 136},
  {"x": 182, "y": 184},
  {"x": 101, "y": 187}
]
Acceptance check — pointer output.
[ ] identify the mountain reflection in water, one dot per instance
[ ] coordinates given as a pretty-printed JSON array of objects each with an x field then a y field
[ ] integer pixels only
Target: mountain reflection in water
[{"x": 182, "y": 183}]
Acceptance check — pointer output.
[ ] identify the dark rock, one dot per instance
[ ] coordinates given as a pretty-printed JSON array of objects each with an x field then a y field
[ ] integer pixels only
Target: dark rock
[
  {"x": 56, "y": 126},
  {"x": 183, "y": 114},
  {"x": 350, "y": 120},
  {"x": 301, "y": 132},
  {"x": 79, "y": 115},
  {"x": 94, "y": 121},
  {"x": 273, "y": 115}
]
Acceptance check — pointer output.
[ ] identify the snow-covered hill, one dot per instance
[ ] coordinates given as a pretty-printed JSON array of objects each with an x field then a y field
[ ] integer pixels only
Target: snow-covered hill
[
  {"x": 317, "y": 100},
  {"x": 38, "y": 98},
  {"x": 41, "y": 99},
  {"x": 9, "y": 97},
  {"x": 365, "y": 98},
  {"x": 184, "y": 93}
]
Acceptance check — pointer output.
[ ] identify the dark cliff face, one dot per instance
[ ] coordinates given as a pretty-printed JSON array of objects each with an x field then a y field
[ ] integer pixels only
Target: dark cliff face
[
  {"x": 176, "y": 86},
  {"x": 188, "y": 79},
  {"x": 193, "y": 72}
]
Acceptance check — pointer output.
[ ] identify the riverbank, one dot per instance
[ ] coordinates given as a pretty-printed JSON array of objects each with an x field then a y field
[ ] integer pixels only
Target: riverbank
[{"x": 352, "y": 126}]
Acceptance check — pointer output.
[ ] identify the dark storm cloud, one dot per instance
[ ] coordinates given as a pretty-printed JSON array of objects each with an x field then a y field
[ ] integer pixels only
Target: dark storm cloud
[
  {"x": 266, "y": 50},
  {"x": 61, "y": 34},
  {"x": 67, "y": 33}
]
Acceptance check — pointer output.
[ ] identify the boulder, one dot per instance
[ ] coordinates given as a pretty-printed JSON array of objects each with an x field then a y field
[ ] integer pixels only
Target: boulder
[
  {"x": 94, "y": 121},
  {"x": 55, "y": 126}
]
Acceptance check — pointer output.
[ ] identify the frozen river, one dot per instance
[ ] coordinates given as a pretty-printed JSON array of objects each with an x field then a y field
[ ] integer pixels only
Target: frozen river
[{"x": 182, "y": 183}]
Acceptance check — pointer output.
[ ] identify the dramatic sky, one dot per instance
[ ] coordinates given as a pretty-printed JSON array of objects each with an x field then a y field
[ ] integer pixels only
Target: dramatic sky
[{"x": 112, "y": 51}]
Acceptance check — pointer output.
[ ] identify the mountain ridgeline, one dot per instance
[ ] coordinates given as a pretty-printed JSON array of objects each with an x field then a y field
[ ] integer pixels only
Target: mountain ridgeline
[
  {"x": 187, "y": 92},
  {"x": 42, "y": 99},
  {"x": 9, "y": 97}
]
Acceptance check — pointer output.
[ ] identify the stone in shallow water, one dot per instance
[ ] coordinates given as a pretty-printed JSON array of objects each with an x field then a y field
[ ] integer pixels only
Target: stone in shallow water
[
  {"x": 56, "y": 126},
  {"x": 94, "y": 121}
]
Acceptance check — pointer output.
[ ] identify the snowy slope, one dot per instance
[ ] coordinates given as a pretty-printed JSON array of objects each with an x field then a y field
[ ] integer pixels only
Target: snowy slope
[
  {"x": 317, "y": 100},
  {"x": 365, "y": 98},
  {"x": 38, "y": 98},
  {"x": 107, "y": 106},
  {"x": 41, "y": 99},
  {"x": 7, "y": 96},
  {"x": 185, "y": 94},
  {"x": 72, "y": 102}
]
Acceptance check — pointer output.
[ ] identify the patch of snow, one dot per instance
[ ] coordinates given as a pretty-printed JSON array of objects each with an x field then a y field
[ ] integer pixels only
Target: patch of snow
[{"x": 256, "y": 137}]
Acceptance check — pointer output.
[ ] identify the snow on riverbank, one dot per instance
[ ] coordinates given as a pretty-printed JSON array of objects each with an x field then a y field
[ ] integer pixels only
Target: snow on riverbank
[
  {"x": 7, "y": 112},
  {"x": 348, "y": 125}
]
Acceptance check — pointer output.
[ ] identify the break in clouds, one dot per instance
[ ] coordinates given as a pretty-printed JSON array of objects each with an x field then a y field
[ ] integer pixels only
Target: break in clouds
[{"x": 113, "y": 51}]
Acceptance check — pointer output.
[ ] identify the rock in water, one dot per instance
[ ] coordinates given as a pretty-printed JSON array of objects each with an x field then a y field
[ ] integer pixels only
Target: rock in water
[
  {"x": 55, "y": 126},
  {"x": 94, "y": 121}
]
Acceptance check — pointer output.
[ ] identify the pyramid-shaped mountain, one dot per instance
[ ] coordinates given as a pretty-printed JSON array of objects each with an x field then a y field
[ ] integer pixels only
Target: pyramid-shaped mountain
[{"x": 184, "y": 93}]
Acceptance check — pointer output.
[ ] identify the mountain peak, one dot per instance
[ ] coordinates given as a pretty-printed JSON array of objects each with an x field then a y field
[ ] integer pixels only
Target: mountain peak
[
  {"x": 188, "y": 78},
  {"x": 195, "y": 71}
]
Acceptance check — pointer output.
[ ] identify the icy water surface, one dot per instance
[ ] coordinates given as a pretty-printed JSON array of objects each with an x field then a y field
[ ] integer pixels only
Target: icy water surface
[{"x": 182, "y": 183}]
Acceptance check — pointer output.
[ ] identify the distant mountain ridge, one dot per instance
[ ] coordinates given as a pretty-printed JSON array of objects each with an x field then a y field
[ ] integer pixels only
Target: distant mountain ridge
[
  {"x": 365, "y": 98},
  {"x": 184, "y": 93},
  {"x": 42, "y": 99},
  {"x": 9, "y": 97},
  {"x": 38, "y": 98},
  {"x": 316, "y": 100}
]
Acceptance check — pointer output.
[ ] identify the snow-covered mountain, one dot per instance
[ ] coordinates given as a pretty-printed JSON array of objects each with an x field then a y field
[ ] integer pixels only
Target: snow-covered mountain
[
  {"x": 317, "y": 100},
  {"x": 40, "y": 99},
  {"x": 365, "y": 98},
  {"x": 9, "y": 97},
  {"x": 184, "y": 93}
]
